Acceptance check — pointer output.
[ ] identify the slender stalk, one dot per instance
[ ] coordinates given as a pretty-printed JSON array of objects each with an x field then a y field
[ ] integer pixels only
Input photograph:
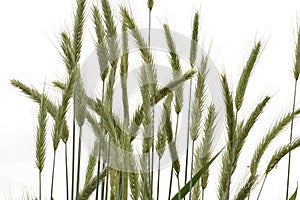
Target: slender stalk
[
  {"x": 52, "y": 180},
  {"x": 99, "y": 150},
  {"x": 291, "y": 138},
  {"x": 192, "y": 161},
  {"x": 171, "y": 176},
  {"x": 262, "y": 186},
  {"x": 178, "y": 184},
  {"x": 78, "y": 163},
  {"x": 188, "y": 135},
  {"x": 40, "y": 185},
  {"x": 107, "y": 166},
  {"x": 103, "y": 184},
  {"x": 67, "y": 175},
  {"x": 73, "y": 147},
  {"x": 170, "y": 184},
  {"x": 203, "y": 193},
  {"x": 231, "y": 155},
  {"x": 158, "y": 179}
]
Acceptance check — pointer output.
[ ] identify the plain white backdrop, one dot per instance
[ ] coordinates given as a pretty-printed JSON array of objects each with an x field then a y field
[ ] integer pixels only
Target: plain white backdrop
[{"x": 28, "y": 51}]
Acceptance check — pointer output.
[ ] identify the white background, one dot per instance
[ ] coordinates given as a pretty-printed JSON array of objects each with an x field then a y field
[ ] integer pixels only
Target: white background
[{"x": 28, "y": 52}]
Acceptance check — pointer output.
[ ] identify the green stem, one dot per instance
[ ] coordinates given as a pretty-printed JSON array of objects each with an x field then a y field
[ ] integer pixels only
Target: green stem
[
  {"x": 78, "y": 163},
  {"x": 67, "y": 175},
  {"x": 158, "y": 179},
  {"x": 171, "y": 177},
  {"x": 188, "y": 135},
  {"x": 170, "y": 184},
  {"x": 178, "y": 184},
  {"x": 231, "y": 157},
  {"x": 107, "y": 167},
  {"x": 40, "y": 185},
  {"x": 203, "y": 193},
  {"x": 52, "y": 180},
  {"x": 73, "y": 148},
  {"x": 262, "y": 186},
  {"x": 291, "y": 138},
  {"x": 190, "y": 189},
  {"x": 99, "y": 149}
]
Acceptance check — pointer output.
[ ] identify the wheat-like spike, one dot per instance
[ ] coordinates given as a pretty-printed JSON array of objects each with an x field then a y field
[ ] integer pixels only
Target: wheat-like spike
[
  {"x": 230, "y": 116},
  {"x": 161, "y": 137},
  {"x": 197, "y": 166},
  {"x": 161, "y": 93},
  {"x": 81, "y": 101},
  {"x": 133, "y": 175},
  {"x": 144, "y": 50},
  {"x": 150, "y": 4},
  {"x": 111, "y": 31},
  {"x": 174, "y": 157},
  {"x": 33, "y": 94},
  {"x": 198, "y": 103},
  {"x": 224, "y": 176},
  {"x": 176, "y": 68},
  {"x": 194, "y": 41},
  {"x": 280, "y": 153},
  {"x": 40, "y": 140},
  {"x": 78, "y": 29},
  {"x": 244, "y": 78},
  {"x": 68, "y": 54},
  {"x": 244, "y": 131},
  {"x": 88, "y": 189},
  {"x": 107, "y": 120},
  {"x": 91, "y": 164},
  {"x": 206, "y": 147},
  {"x": 266, "y": 141},
  {"x": 297, "y": 57},
  {"x": 100, "y": 44},
  {"x": 124, "y": 75},
  {"x": 60, "y": 115},
  {"x": 246, "y": 189},
  {"x": 167, "y": 113}
]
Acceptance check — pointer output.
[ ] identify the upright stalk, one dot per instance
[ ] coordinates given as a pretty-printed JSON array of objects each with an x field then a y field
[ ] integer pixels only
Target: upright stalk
[
  {"x": 99, "y": 150},
  {"x": 231, "y": 155},
  {"x": 40, "y": 185},
  {"x": 52, "y": 180},
  {"x": 67, "y": 176},
  {"x": 107, "y": 167},
  {"x": 73, "y": 147},
  {"x": 188, "y": 135},
  {"x": 78, "y": 163},
  {"x": 291, "y": 138},
  {"x": 158, "y": 179},
  {"x": 171, "y": 176},
  {"x": 262, "y": 186},
  {"x": 193, "y": 144},
  {"x": 178, "y": 184}
]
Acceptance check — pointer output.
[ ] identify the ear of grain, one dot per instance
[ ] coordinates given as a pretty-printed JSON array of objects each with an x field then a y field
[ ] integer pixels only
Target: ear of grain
[
  {"x": 176, "y": 68},
  {"x": 81, "y": 101},
  {"x": 61, "y": 113},
  {"x": 40, "y": 141},
  {"x": 297, "y": 57},
  {"x": 244, "y": 78},
  {"x": 245, "y": 129},
  {"x": 91, "y": 164},
  {"x": 197, "y": 166},
  {"x": 150, "y": 4},
  {"x": 144, "y": 50},
  {"x": 280, "y": 153},
  {"x": 100, "y": 44},
  {"x": 198, "y": 103},
  {"x": 206, "y": 147},
  {"x": 194, "y": 41},
  {"x": 78, "y": 29},
  {"x": 68, "y": 54},
  {"x": 266, "y": 141},
  {"x": 161, "y": 137}
]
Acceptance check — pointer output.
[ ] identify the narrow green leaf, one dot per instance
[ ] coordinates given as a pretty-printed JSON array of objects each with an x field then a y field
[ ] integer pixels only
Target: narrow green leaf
[
  {"x": 184, "y": 190},
  {"x": 293, "y": 197}
]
